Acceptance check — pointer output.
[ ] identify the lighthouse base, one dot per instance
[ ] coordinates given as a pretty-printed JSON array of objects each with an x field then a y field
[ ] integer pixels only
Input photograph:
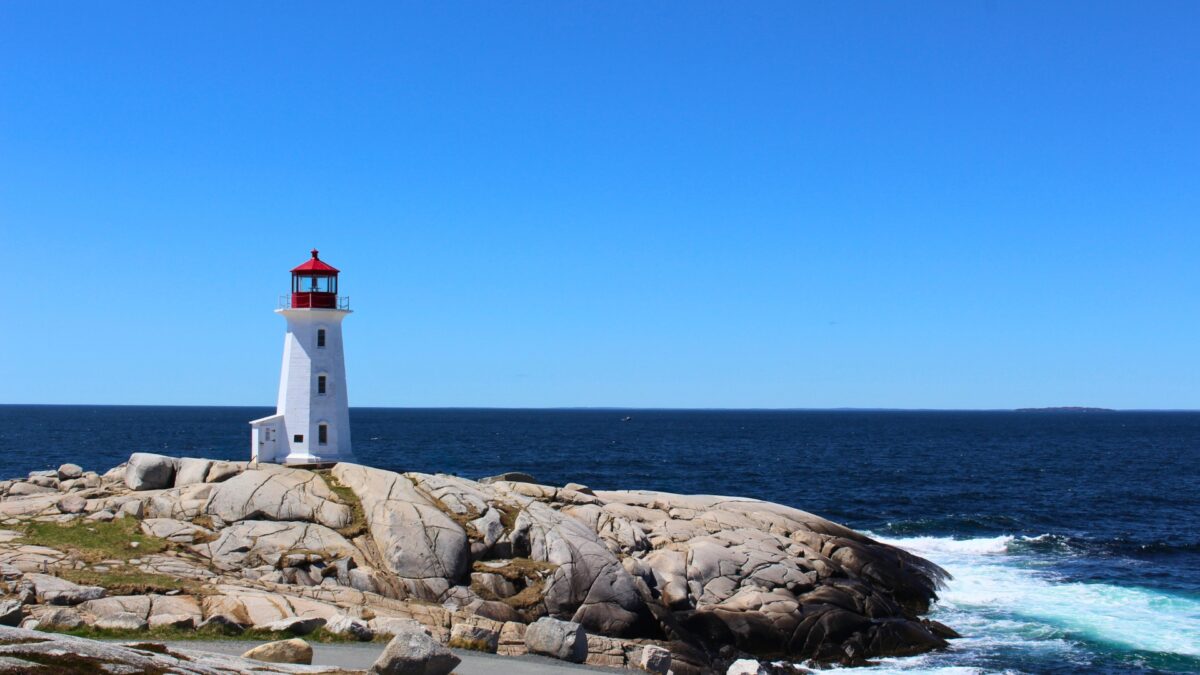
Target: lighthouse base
[{"x": 268, "y": 445}]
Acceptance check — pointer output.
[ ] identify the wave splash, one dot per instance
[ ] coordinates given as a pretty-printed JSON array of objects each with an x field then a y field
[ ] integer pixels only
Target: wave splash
[{"x": 1003, "y": 599}]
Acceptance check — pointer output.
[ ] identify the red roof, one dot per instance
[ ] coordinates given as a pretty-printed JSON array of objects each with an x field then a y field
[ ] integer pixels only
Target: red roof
[{"x": 315, "y": 266}]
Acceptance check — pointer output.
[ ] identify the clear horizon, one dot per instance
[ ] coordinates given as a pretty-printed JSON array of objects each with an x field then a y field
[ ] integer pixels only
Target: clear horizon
[{"x": 950, "y": 206}]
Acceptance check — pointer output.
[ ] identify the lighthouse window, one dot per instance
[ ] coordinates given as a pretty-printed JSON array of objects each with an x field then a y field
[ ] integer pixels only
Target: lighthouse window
[
  {"x": 323, "y": 434},
  {"x": 298, "y": 438},
  {"x": 320, "y": 384},
  {"x": 320, "y": 337}
]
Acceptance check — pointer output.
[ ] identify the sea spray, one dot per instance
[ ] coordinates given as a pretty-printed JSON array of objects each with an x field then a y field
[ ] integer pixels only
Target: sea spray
[{"x": 1007, "y": 603}]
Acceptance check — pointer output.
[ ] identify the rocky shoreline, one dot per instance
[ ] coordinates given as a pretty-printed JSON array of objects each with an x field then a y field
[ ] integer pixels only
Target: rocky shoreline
[{"x": 634, "y": 579}]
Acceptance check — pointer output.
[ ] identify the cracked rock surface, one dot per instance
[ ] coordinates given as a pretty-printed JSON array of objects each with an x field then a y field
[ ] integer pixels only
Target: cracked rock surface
[{"x": 704, "y": 579}]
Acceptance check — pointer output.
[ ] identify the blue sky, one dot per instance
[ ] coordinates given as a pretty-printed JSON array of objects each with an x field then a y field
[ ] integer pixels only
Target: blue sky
[{"x": 950, "y": 205}]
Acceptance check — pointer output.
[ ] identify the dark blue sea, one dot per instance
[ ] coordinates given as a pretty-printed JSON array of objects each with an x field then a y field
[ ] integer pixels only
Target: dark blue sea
[{"x": 1073, "y": 538}]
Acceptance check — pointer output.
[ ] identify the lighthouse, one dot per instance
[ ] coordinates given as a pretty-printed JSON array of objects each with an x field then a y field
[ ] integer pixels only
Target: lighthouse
[{"x": 311, "y": 424}]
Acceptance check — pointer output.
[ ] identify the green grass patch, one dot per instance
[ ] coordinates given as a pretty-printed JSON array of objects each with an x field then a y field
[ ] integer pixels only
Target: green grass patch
[
  {"x": 93, "y": 541},
  {"x": 529, "y": 576},
  {"x": 518, "y": 569},
  {"x": 131, "y": 581},
  {"x": 345, "y": 495},
  {"x": 471, "y": 644}
]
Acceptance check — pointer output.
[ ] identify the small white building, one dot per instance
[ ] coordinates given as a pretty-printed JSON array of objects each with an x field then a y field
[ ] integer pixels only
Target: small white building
[{"x": 311, "y": 424}]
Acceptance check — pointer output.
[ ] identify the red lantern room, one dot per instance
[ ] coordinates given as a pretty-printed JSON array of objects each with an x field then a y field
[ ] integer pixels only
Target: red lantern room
[{"x": 314, "y": 284}]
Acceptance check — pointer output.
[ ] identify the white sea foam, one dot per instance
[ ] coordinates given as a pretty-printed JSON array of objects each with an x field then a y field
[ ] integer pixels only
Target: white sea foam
[
  {"x": 931, "y": 547},
  {"x": 1002, "y": 599}
]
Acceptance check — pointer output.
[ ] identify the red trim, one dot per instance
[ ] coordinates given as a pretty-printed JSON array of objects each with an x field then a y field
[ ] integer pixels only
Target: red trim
[
  {"x": 314, "y": 266},
  {"x": 314, "y": 300}
]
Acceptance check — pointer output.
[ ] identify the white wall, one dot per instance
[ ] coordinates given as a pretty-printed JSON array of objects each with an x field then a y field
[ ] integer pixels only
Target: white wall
[{"x": 303, "y": 409}]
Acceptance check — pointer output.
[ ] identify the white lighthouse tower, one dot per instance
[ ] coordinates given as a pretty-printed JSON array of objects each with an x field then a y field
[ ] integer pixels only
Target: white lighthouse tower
[{"x": 311, "y": 424}]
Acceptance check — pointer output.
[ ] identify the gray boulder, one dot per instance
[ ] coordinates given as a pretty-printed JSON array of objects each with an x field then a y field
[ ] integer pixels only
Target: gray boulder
[
  {"x": 45, "y": 481},
  {"x": 180, "y": 621},
  {"x": 192, "y": 471},
  {"x": 416, "y": 538},
  {"x": 72, "y": 503},
  {"x": 121, "y": 621},
  {"x": 511, "y": 477},
  {"x": 59, "y": 618},
  {"x": 655, "y": 659},
  {"x": 358, "y": 629},
  {"x": 255, "y": 542},
  {"x": 178, "y": 531},
  {"x": 475, "y": 637},
  {"x": 26, "y": 651},
  {"x": 282, "y": 651},
  {"x": 24, "y": 489},
  {"x": 69, "y": 471},
  {"x": 222, "y": 471},
  {"x": 11, "y": 613},
  {"x": 147, "y": 471},
  {"x": 134, "y": 508},
  {"x": 54, "y": 591},
  {"x": 563, "y": 640},
  {"x": 278, "y": 494},
  {"x": 415, "y": 653},
  {"x": 295, "y": 625}
]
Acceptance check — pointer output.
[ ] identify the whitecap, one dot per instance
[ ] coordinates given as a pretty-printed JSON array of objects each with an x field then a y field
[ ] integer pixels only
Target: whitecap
[{"x": 998, "y": 596}]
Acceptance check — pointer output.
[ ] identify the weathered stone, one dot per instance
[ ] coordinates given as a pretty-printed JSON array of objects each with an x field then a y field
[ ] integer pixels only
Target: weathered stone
[
  {"x": 181, "y": 503},
  {"x": 416, "y": 539},
  {"x": 589, "y": 584},
  {"x": 54, "y": 591},
  {"x": 191, "y": 471},
  {"x": 69, "y": 471},
  {"x": 102, "y": 516},
  {"x": 712, "y": 572},
  {"x": 24, "y": 488},
  {"x": 278, "y": 494},
  {"x": 59, "y": 618},
  {"x": 72, "y": 503},
  {"x": 295, "y": 625},
  {"x": 387, "y": 625},
  {"x": 146, "y": 471},
  {"x": 490, "y": 585},
  {"x": 25, "y": 651},
  {"x": 358, "y": 629},
  {"x": 121, "y": 621},
  {"x": 50, "y": 481},
  {"x": 104, "y": 608},
  {"x": 133, "y": 508},
  {"x": 180, "y": 621},
  {"x": 415, "y": 653},
  {"x": 512, "y": 640},
  {"x": 474, "y": 637},
  {"x": 222, "y": 471},
  {"x": 563, "y": 640},
  {"x": 178, "y": 531},
  {"x": 223, "y": 623},
  {"x": 11, "y": 613},
  {"x": 256, "y": 542},
  {"x": 511, "y": 477},
  {"x": 294, "y": 650},
  {"x": 655, "y": 659}
]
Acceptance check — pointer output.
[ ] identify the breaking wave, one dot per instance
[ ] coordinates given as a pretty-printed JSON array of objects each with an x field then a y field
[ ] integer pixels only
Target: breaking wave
[{"x": 1006, "y": 601}]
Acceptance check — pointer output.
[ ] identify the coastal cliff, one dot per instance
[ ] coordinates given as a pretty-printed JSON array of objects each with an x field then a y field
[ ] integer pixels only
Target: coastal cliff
[{"x": 358, "y": 552}]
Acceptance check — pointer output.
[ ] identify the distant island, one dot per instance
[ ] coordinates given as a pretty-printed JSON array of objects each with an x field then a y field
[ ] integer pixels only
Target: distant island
[{"x": 1066, "y": 408}]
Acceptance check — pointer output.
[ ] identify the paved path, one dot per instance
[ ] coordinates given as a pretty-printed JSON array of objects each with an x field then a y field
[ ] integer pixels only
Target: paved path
[{"x": 361, "y": 655}]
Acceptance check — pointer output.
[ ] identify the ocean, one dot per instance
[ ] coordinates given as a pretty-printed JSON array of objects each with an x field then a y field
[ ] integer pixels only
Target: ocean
[{"x": 1073, "y": 538}]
